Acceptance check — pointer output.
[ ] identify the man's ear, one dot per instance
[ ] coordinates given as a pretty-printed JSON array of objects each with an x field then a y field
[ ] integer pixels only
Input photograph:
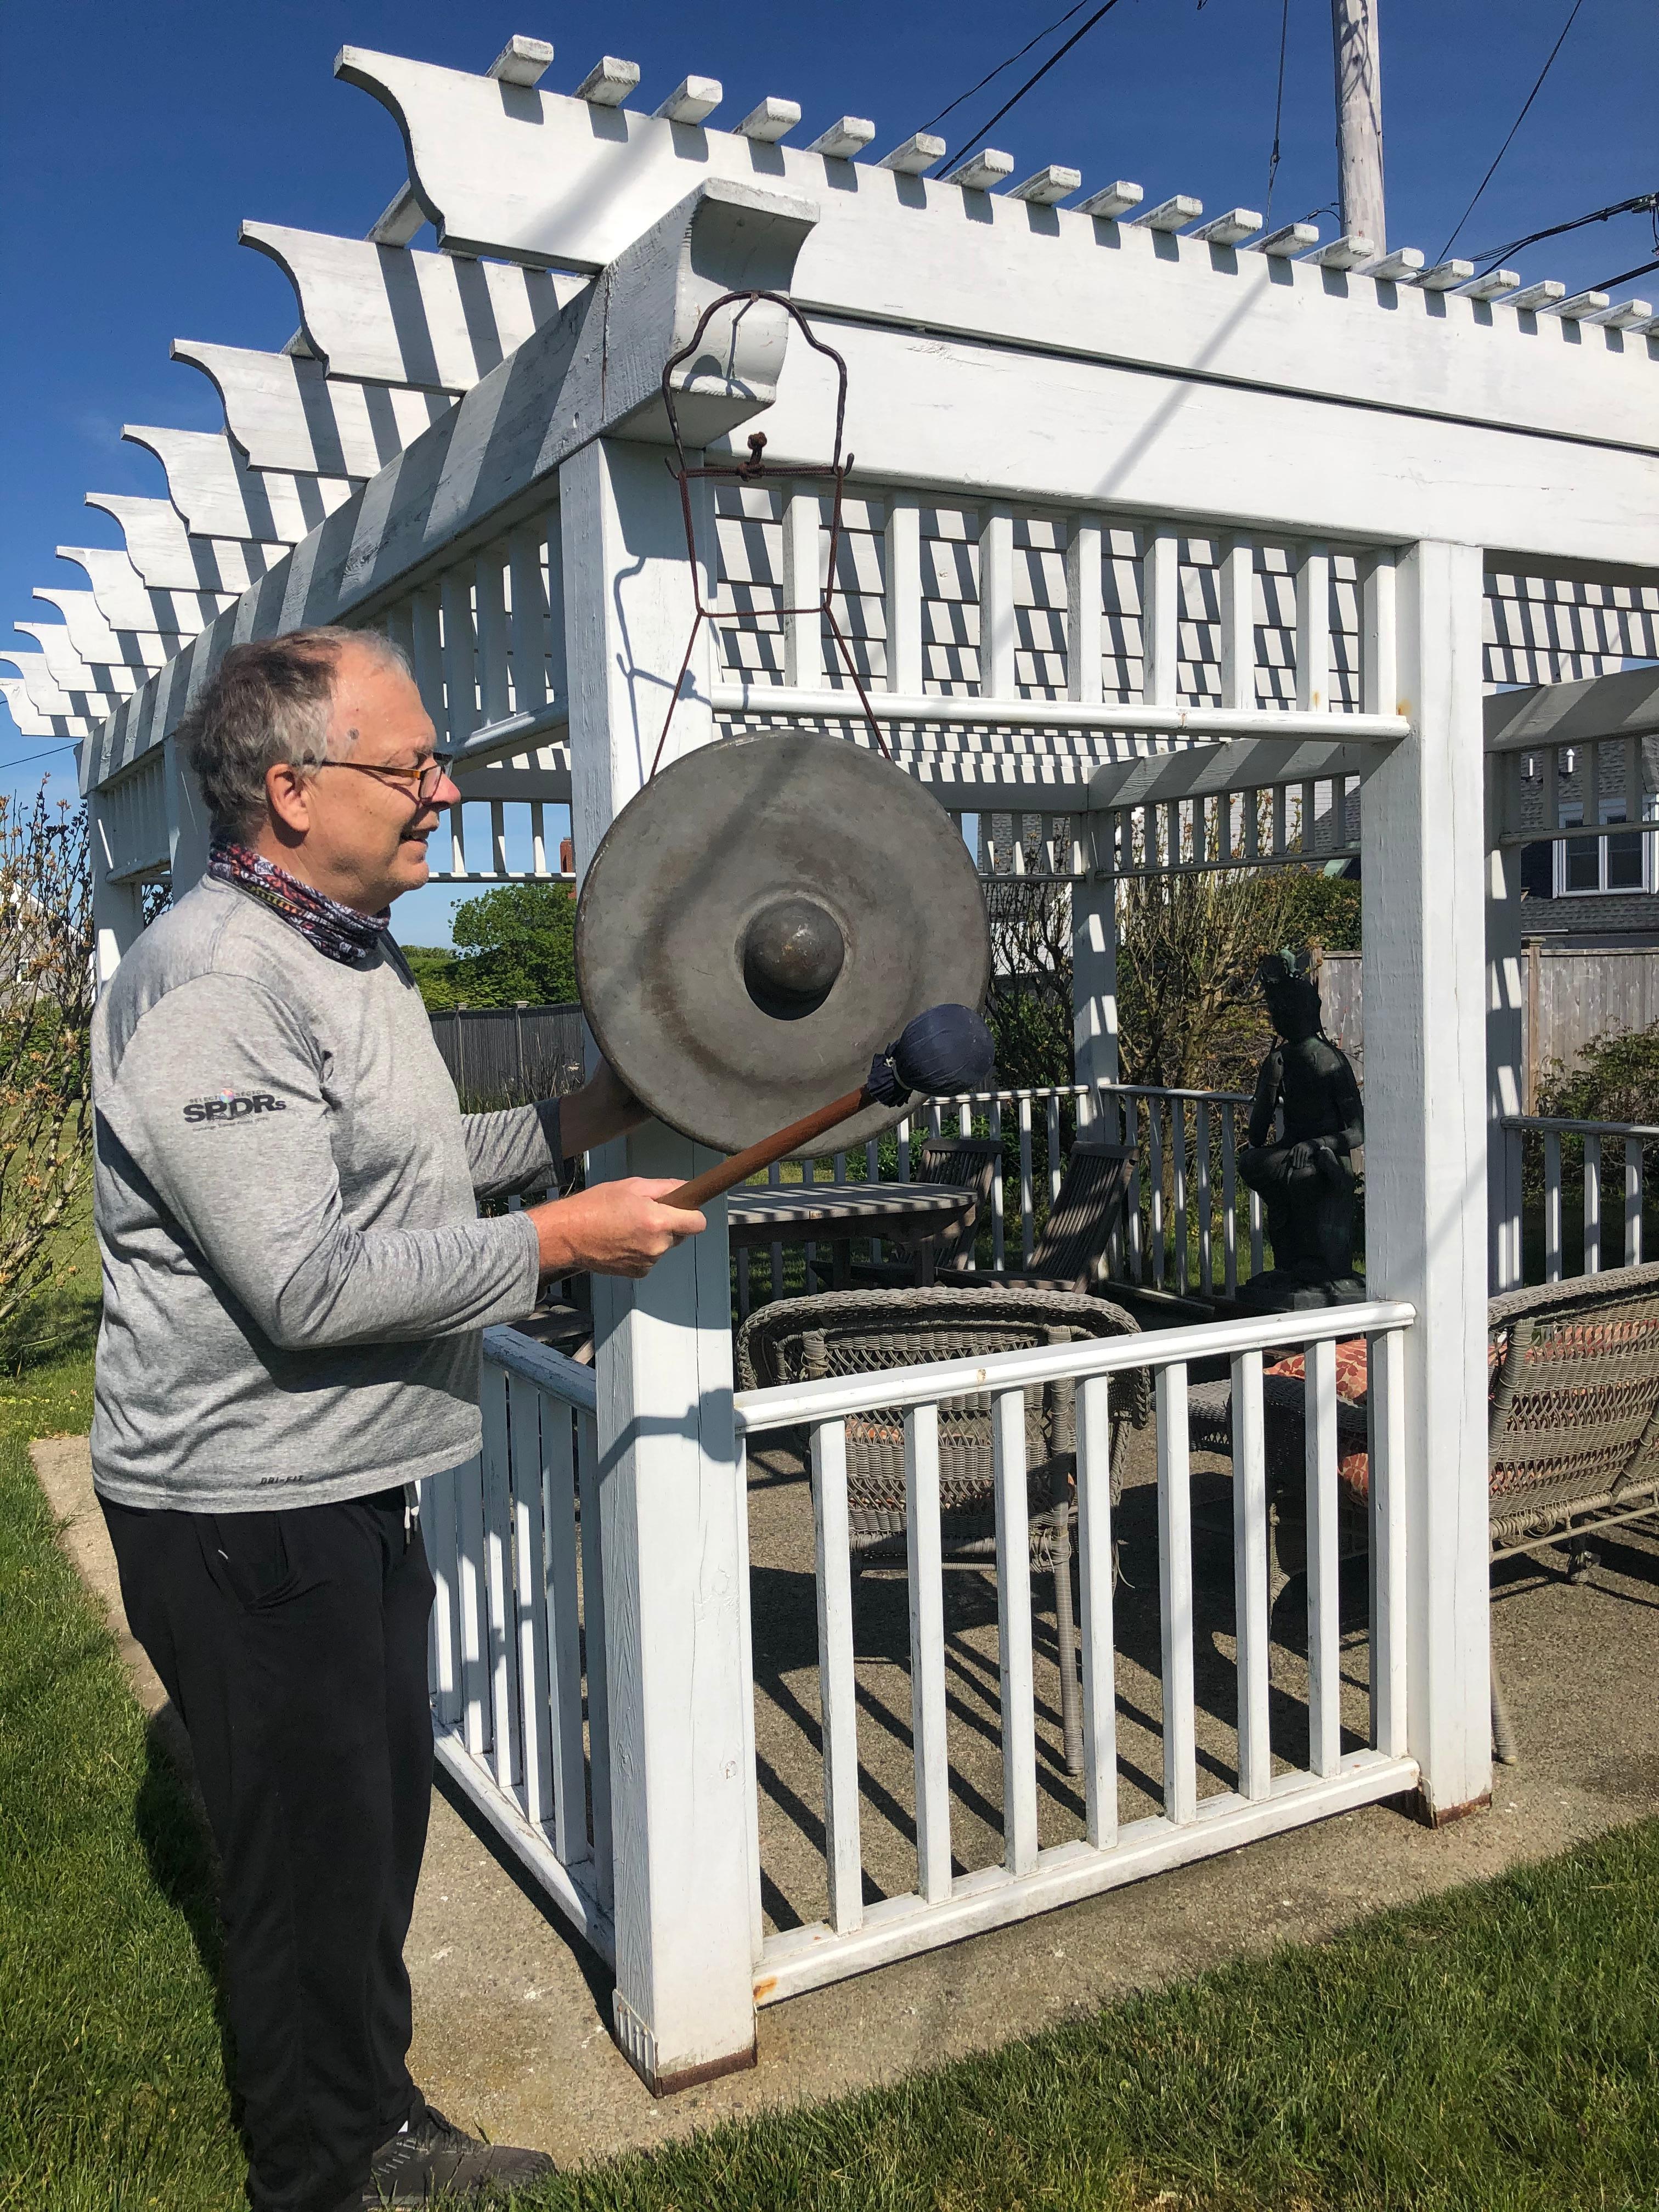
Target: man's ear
[{"x": 288, "y": 794}]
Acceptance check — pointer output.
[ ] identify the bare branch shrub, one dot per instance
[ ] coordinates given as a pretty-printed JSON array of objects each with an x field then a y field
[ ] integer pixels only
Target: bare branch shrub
[
  {"x": 45, "y": 1018},
  {"x": 1028, "y": 1008},
  {"x": 1190, "y": 1014}
]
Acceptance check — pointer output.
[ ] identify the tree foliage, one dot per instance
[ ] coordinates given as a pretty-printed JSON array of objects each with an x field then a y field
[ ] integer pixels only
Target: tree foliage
[
  {"x": 1615, "y": 1078},
  {"x": 514, "y": 945},
  {"x": 45, "y": 1030},
  {"x": 1189, "y": 1010}
]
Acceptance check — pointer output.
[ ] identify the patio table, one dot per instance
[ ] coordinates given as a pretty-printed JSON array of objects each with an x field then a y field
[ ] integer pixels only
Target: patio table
[{"x": 835, "y": 1212}]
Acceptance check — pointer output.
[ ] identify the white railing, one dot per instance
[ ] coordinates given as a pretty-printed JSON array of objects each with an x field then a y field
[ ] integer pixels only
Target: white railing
[
  {"x": 1268, "y": 1794},
  {"x": 517, "y": 1626},
  {"x": 1602, "y": 1245},
  {"x": 1185, "y": 1221},
  {"x": 1191, "y": 1225}
]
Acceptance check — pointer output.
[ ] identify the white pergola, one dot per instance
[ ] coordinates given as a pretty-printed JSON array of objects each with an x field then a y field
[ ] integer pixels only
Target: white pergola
[{"x": 1147, "y": 517}]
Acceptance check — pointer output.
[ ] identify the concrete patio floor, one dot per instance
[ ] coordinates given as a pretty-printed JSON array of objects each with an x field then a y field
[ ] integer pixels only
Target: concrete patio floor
[{"x": 511, "y": 2036}]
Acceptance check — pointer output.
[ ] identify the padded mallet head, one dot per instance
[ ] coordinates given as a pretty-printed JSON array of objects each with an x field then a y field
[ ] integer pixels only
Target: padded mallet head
[{"x": 946, "y": 1050}]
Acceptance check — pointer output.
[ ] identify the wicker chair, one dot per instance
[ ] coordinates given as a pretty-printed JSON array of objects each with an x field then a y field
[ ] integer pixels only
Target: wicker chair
[
  {"x": 964, "y": 1163},
  {"x": 1572, "y": 1440},
  {"x": 861, "y": 1332},
  {"x": 1087, "y": 1213}
]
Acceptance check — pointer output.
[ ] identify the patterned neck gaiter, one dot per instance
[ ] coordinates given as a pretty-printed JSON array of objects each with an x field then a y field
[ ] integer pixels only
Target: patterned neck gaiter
[{"x": 339, "y": 933}]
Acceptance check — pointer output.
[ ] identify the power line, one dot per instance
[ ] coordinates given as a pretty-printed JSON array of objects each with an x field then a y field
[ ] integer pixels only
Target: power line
[
  {"x": 1641, "y": 202},
  {"x": 66, "y": 748},
  {"x": 1036, "y": 77},
  {"x": 1643, "y": 269},
  {"x": 1012, "y": 59},
  {"x": 1514, "y": 127},
  {"x": 1279, "y": 112}
]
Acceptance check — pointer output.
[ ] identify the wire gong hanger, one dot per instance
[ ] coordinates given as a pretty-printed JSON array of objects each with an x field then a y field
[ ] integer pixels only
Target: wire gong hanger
[{"x": 757, "y": 470}]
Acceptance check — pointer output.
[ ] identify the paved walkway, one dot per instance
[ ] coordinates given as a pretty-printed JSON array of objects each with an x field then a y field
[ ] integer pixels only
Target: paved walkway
[{"x": 511, "y": 2034}]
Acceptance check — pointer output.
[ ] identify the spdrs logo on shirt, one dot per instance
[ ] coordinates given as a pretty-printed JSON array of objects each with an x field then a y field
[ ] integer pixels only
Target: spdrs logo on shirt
[{"x": 232, "y": 1106}]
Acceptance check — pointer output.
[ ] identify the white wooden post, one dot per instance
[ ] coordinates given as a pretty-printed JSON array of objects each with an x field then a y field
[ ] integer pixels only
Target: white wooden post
[
  {"x": 1422, "y": 843},
  {"x": 671, "y": 1492},
  {"x": 188, "y": 828},
  {"x": 1505, "y": 1057},
  {"x": 1094, "y": 960},
  {"x": 1094, "y": 901},
  {"x": 117, "y": 908}
]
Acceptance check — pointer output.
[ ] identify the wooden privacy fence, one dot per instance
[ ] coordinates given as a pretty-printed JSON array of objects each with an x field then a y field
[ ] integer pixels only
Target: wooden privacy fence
[
  {"x": 1570, "y": 997},
  {"x": 508, "y": 1055}
]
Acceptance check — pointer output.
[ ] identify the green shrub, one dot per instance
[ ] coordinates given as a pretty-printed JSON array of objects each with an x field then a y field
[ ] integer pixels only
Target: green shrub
[{"x": 1615, "y": 1078}]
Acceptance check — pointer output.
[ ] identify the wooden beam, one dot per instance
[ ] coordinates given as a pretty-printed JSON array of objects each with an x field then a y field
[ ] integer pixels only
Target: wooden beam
[
  {"x": 289, "y": 414},
  {"x": 1373, "y": 474},
  {"x": 1062, "y": 714},
  {"x": 913, "y": 252},
  {"x": 126, "y": 601},
  {"x": 693, "y": 100},
  {"x": 93, "y": 640},
  {"x": 1625, "y": 705},
  {"x": 396, "y": 315},
  {"x": 1240, "y": 764},
  {"x": 169, "y": 559},
  {"x": 488, "y": 462},
  {"x": 220, "y": 496}
]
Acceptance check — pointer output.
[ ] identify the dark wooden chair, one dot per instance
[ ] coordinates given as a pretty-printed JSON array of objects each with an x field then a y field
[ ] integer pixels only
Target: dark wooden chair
[
  {"x": 1572, "y": 1430},
  {"x": 964, "y": 1163},
  {"x": 861, "y": 1332},
  {"x": 1088, "y": 1212}
]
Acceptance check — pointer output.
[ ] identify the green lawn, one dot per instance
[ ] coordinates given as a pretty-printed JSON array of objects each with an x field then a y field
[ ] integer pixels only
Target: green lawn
[
  {"x": 112, "y": 2095},
  {"x": 1494, "y": 2048}
]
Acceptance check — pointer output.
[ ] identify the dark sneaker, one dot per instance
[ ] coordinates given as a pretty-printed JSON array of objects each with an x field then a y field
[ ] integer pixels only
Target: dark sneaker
[{"x": 436, "y": 2163}]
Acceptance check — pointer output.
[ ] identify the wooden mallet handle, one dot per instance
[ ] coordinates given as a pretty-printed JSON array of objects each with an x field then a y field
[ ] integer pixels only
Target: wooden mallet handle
[
  {"x": 946, "y": 1050},
  {"x": 741, "y": 1165}
]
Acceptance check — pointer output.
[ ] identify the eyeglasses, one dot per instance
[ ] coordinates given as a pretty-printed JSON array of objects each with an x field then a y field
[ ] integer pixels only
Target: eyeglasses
[{"x": 426, "y": 778}]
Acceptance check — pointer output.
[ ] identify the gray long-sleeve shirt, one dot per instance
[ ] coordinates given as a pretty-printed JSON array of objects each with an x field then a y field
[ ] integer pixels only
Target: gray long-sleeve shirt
[{"x": 295, "y": 1271}]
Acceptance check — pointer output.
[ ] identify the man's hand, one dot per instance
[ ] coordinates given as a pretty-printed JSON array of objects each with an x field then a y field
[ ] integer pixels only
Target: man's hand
[
  {"x": 603, "y": 1108},
  {"x": 619, "y": 1228}
]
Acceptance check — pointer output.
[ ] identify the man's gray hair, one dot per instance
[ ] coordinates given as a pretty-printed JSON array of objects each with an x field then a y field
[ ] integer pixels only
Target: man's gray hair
[{"x": 267, "y": 703}]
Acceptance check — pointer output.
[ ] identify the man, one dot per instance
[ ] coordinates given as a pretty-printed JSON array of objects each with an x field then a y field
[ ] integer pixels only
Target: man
[{"x": 294, "y": 1277}]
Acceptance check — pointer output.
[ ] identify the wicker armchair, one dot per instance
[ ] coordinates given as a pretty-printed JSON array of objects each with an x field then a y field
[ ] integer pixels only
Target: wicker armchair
[
  {"x": 861, "y": 1332},
  {"x": 964, "y": 1163},
  {"x": 1572, "y": 1441}
]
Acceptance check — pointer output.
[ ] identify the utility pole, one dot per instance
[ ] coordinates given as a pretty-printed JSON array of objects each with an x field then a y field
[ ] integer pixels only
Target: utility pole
[{"x": 1358, "y": 119}]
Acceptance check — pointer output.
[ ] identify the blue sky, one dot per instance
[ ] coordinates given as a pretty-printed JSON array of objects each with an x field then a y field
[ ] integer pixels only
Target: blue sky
[{"x": 138, "y": 138}]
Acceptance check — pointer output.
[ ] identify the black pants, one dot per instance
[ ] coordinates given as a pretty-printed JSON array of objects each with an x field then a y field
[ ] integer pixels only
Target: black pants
[{"x": 295, "y": 1646}]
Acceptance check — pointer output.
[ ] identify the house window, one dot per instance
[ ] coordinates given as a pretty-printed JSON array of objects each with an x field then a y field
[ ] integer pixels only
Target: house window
[{"x": 1584, "y": 867}]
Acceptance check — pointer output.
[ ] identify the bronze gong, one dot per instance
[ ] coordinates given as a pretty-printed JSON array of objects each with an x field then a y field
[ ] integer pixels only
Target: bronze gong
[{"x": 766, "y": 914}]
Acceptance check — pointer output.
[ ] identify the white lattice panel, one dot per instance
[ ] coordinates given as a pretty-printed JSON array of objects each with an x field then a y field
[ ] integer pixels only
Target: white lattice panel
[
  {"x": 860, "y": 594},
  {"x": 1553, "y": 629},
  {"x": 950, "y": 602}
]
